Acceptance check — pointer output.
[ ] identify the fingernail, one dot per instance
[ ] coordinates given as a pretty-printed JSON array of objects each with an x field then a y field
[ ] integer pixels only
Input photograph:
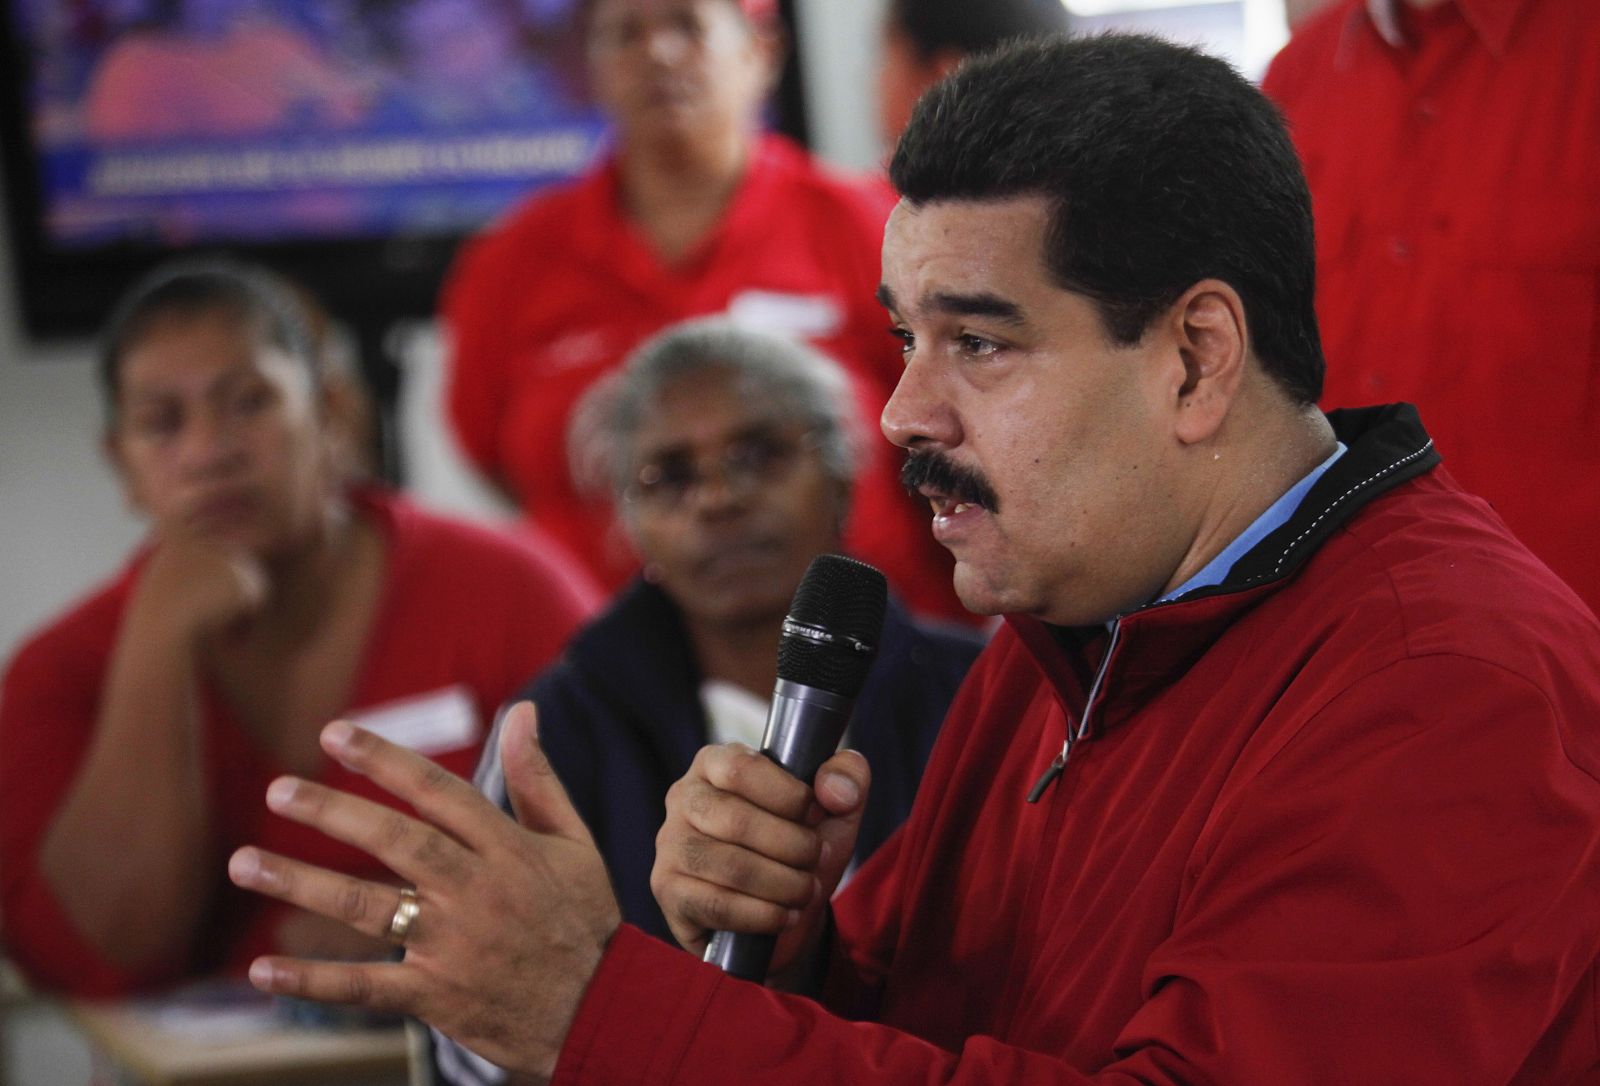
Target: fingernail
[
  {"x": 337, "y": 734},
  {"x": 793, "y": 919},
  {"x": 843, "y": 788},
  {"x": 263, "y": 975},
  {"x": 280, "y": 792},
  {"x": 244, "y": 866},
  {"x": 823, "y": 853}
]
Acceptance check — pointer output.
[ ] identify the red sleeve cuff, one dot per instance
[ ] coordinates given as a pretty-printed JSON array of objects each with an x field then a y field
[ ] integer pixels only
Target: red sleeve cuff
[{"x": 639, "y": 1015}]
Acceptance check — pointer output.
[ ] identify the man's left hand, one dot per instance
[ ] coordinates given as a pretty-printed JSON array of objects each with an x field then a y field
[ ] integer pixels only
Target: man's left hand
[{"x": 513, "y": 916}]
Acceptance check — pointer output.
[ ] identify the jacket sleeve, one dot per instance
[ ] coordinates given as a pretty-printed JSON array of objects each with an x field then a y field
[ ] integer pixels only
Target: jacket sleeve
[{"x": 1405, "y": 891}]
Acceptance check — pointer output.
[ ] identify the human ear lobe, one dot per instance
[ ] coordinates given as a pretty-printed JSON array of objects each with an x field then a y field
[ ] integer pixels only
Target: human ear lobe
[{"x": 1209, "y": 326}]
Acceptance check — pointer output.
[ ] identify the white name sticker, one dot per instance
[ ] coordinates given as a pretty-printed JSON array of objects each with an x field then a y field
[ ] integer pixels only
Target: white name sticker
[
  {"x": 426, "y": 723},
  {"x": 811, "y": 316}
]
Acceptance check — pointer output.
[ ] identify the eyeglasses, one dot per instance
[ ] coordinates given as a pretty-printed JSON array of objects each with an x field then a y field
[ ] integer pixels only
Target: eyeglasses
[{"x": 744, "y": 464}]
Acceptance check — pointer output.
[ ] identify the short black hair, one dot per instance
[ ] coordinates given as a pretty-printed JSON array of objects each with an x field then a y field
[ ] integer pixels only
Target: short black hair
[
  {"x": 972, "y": 26},
  {"x": 192, "y": 288},
  {"x": 1164, "y": 166}
]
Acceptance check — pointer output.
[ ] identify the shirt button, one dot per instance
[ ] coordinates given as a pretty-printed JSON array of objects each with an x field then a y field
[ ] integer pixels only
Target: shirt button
[
  {"x": 1400, "y": 250},
  {"x": 1426, "y": 110}
]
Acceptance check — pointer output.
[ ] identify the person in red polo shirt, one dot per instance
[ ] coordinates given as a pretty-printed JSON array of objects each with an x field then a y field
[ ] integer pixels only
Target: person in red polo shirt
[
  {"x": 138, "y": 727},
  {"x": 1453, "y": 152},
  {"x": 693, "y": 213}
]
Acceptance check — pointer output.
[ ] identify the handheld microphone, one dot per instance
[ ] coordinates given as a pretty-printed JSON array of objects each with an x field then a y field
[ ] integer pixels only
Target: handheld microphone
[{"x": 830, "y": 637}]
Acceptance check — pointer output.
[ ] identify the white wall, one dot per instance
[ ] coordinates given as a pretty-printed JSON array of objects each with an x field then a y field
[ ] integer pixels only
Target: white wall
[
  {"x": 62, "y": 521},
  {"x": 838, "y": 59}
]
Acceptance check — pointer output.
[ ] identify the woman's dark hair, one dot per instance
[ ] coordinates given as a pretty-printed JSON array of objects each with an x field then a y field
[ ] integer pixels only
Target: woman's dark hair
[
  {"x": 1164, "y": 167},
  {"x": 246, "y": 292}
]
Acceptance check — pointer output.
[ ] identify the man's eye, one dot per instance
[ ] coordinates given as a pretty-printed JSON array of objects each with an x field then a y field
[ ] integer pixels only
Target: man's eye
[
  {"x": 907, "y": 340},
  {"x": 971, "y": 344}
]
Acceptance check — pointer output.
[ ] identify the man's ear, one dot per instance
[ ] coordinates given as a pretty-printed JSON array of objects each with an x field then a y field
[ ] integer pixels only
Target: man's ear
[{"x": 1213, "y": 343}]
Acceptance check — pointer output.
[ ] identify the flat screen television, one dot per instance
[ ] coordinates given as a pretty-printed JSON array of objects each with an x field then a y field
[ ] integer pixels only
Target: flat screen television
[{"x": 349, "y": 143}]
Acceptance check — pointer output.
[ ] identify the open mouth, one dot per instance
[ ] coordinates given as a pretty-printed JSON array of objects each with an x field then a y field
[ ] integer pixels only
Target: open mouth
[
  {"x": 950, "y": 488},
  {"x": 945, "y": 506}
]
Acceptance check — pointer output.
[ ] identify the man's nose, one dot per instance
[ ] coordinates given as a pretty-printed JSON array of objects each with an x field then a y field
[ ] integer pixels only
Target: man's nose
[{"x": 919, "y": 413}]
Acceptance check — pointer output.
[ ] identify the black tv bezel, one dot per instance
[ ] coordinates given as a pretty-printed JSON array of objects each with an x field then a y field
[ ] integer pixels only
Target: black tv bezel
[{"x": 64, "y": 291}]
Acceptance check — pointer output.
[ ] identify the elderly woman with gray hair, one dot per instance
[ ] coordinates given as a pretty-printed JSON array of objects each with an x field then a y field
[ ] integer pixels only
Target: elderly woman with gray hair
[{"x": 731, "y": 458}]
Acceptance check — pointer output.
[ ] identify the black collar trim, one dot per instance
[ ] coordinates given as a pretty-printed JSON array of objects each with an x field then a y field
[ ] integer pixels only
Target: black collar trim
[{"x": 1387, "y": 446}]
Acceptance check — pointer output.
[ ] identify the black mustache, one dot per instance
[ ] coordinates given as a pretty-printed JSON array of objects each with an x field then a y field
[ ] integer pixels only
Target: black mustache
[{"x": 940, "y": 473}]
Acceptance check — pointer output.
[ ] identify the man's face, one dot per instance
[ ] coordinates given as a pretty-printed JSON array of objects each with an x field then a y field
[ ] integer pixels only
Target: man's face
[
  {"x": 731, "y": 501},
  {"x": 1069, "y": 509},
  {"x": 217, "y": 435},
  {"x": 675, "y": 69}
]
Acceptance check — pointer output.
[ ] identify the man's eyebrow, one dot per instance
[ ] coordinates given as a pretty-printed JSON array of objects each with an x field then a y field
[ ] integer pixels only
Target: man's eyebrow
[
  {"x": 981, "y": 304},
  {"x": 955, "y": 304}
]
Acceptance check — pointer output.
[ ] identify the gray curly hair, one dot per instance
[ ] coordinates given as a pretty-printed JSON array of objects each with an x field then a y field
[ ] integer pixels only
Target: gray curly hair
[{"x": 795, "y": 381}]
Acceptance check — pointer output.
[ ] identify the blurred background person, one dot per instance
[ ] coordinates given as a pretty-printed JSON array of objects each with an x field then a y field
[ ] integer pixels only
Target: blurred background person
[
  {"x": 731, "y": 454},
  {"x": 923, "y": 41},
  {"x": 460, "y": 62},
  {"x": 1453, "y": 153},
  {"x": 139, "y": 729},
  {"x": 1296, "y": 12},
  {"x": 694, "y": 212}
]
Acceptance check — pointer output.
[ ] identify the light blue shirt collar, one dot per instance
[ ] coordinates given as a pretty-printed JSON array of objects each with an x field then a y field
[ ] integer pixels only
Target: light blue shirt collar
[{"x": 1277, "y": 514}]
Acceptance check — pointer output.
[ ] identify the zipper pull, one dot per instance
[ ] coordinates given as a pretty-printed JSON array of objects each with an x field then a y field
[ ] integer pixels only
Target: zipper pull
[{"x": 1052, "y": 771}]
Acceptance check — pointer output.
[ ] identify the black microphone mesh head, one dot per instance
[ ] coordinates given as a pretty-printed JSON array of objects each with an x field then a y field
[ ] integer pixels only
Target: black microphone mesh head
[{"x": 843, "y": 599}]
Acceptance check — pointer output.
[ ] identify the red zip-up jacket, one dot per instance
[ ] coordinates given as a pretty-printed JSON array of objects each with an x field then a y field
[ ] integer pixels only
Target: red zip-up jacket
[{"x": 1335, "y": 821}]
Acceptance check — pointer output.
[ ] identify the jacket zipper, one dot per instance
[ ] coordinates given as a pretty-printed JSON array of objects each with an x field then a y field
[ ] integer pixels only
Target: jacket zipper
[{"x": 1058, "y": 764}]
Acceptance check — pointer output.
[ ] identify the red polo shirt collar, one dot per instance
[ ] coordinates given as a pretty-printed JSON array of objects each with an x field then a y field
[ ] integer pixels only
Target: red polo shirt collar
[{"x": 1492, "y": 20}]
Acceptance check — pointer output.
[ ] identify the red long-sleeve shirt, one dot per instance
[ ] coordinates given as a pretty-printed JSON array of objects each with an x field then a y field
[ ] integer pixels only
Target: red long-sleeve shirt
[
  {"x": 464, "y": 618},
  {"x": 1338, "y": 822},
  {"x": 1455, "y": 178}
]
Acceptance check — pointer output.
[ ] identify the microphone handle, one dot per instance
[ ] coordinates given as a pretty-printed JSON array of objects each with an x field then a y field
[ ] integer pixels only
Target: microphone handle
[{"x": 804, "y": 727}]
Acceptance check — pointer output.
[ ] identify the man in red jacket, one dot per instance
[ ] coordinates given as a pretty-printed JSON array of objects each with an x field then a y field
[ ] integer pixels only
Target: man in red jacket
[{"x": 1282, "y": 770}]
